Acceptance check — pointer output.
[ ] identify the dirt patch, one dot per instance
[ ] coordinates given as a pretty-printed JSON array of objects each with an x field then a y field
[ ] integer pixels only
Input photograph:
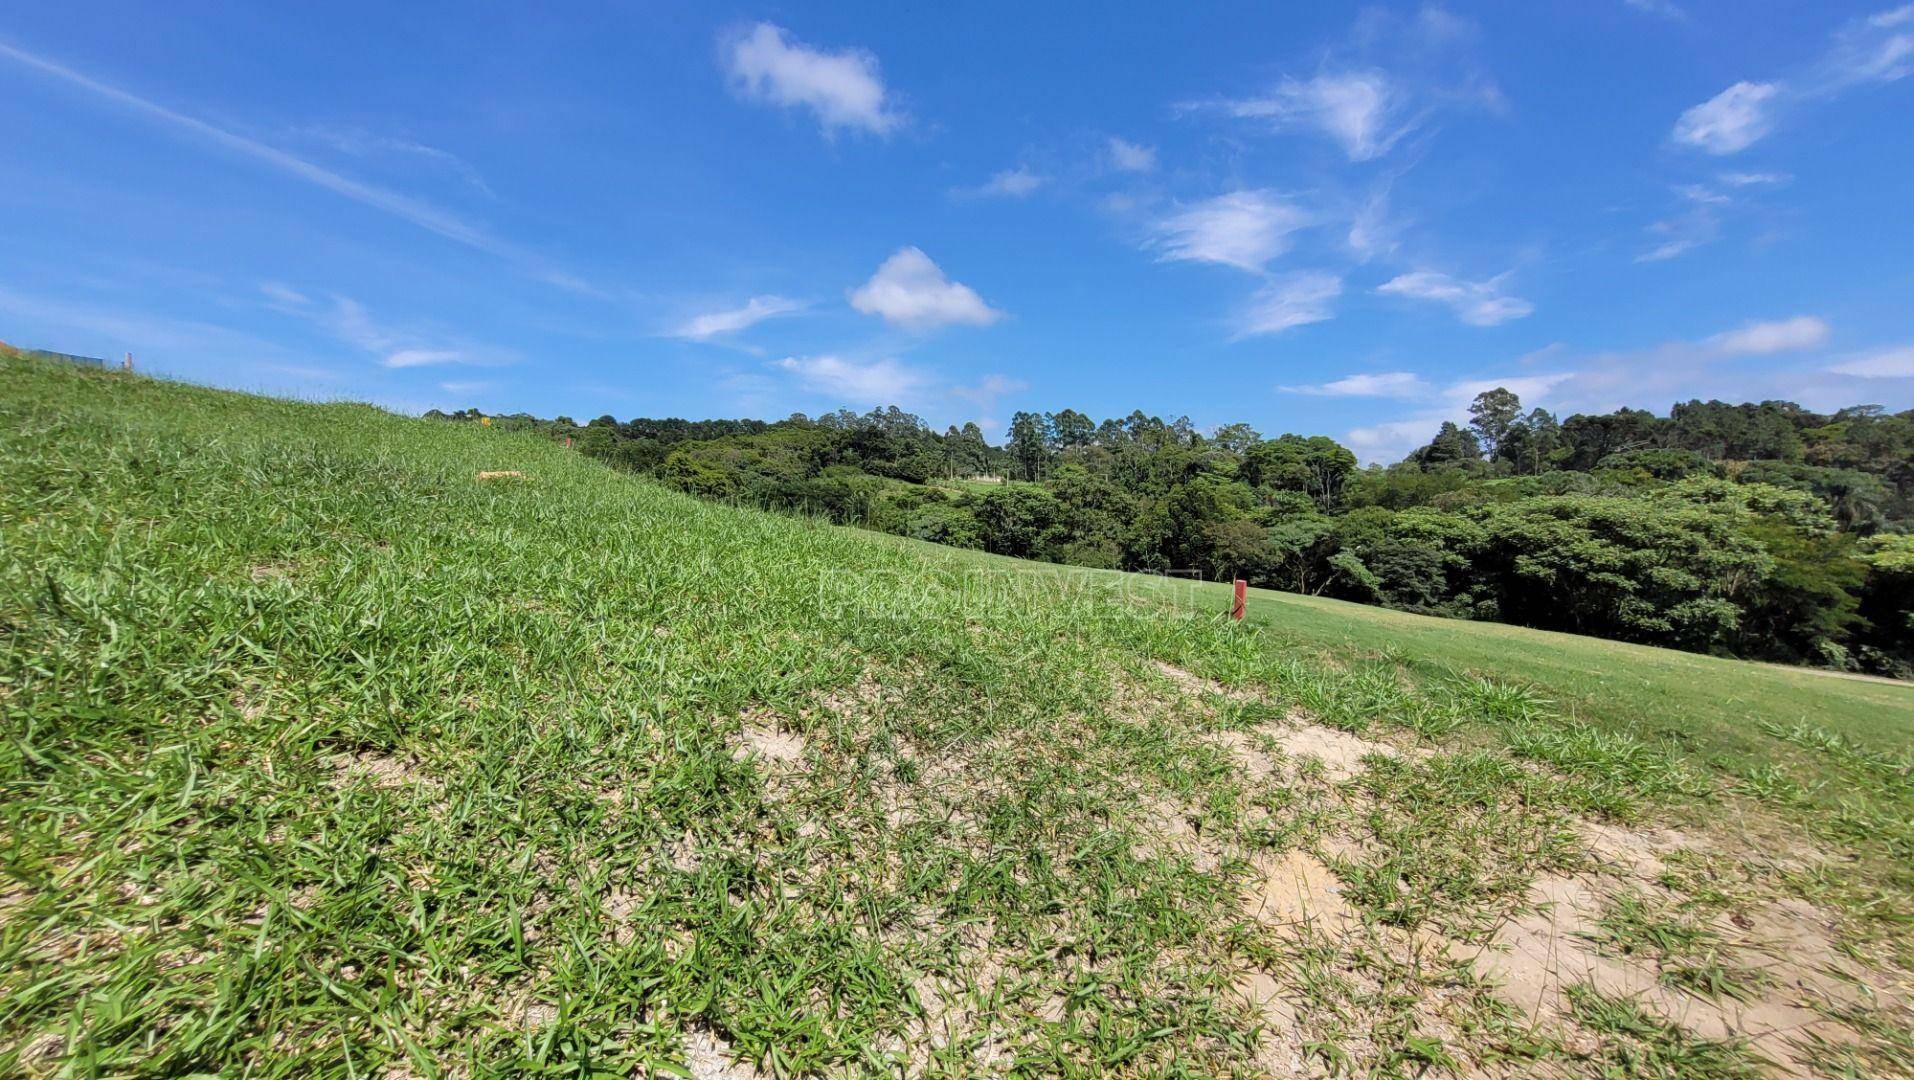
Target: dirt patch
[
  {"x": 1198, "y": 686},
  {"x": 619, "y": 906},
  {"x": 500, "y": 474},
  {"x": 1295, "y": 887},
  {"x": 1280, "y": 1052},
  {"x": 382, "y": 770},
  {"x": 1536, "y": 956},
  {"x": 1341, "y": 753},
  {"x": 708, "y": 1057},
  {"x": 765, "y": 738}
]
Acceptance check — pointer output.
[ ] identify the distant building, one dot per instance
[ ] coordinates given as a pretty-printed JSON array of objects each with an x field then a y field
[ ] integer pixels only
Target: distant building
[{"x": 46, "y": 354}]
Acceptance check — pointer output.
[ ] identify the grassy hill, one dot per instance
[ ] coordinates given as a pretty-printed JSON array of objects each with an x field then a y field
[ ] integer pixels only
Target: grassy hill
[{"x": 326, "y": 756}]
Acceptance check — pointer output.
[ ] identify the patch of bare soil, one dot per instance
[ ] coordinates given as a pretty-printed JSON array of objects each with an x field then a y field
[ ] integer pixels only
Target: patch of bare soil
[
  {"x": 1295, "y": 887},
  {"x": 1197, "y": 686},
  {"x": 1339, "y": 752},
  {"x": 1536, "y": 956},
  {"x": 382, "y": 770},
  {"x": 764, "y": 738},
  {"x": 708, "y": 1057}
]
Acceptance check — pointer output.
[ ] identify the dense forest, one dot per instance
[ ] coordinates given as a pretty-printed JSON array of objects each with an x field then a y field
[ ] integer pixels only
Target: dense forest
[{"x": 1759, "y": 530}]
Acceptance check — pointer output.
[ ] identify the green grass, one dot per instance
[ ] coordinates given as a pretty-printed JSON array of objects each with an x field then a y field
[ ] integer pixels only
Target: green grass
[
  {"x": 324, "y": 757},
  {"x": 1839, "y": 750}
]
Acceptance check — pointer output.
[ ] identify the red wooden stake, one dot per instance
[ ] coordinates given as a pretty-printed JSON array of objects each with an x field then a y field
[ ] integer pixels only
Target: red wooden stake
[{"x": 1242, "y": 599}]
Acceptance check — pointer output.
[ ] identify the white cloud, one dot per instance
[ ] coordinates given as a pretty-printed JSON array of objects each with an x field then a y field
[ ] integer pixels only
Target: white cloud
[
  {"x": 465, "y": 387},
  {"x": 716, "y": 323},
  {"x": 1244, "y": 229},
  {"x": 347, "y": 320},
  {"x": 1478, "y": 303},
  {"x": 1015, "y": 183},
  {"x": 1732, "y": 120},
  {"x": 424, "y": 215},
  {"x": 359, "y": 143},
  {"x": 1762, "y": 338},
  {"x": 1871, "y": 50},
  {"x": 1754, "y": 179},
  {"x": 1392, "y": 440},
  {"x": 1371, "y": 233},
  {"x": 909, "y": 290},
  {"x": 1294, "y": 300},
  {"x": 1895, "y": 363},
  {"x": 1683, "y": 233},
  {"x": 1358, "y": 109},
  {"x": 1876, "y": 49},
  {"x": 1131, "y": 157},
  {"x": 985, "y": 395},
  {"x": 1392, "y": 384},
  {"x": 1532, "y": 389},
  {"x": 283, "y": 294},
  {"x": 405, "y": 358},
  {"x": 843, "y": 88},
  {"x": 878, "y": 382}
]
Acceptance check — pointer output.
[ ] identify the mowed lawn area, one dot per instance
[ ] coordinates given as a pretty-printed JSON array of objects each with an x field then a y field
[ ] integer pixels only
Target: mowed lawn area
[
  {"x": 341, "y": 743},
  {"x": 1731, "y": 712}
]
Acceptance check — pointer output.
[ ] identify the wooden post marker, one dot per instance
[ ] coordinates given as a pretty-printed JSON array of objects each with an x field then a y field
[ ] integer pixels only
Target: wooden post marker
[{"x": 1242, "y": 600}]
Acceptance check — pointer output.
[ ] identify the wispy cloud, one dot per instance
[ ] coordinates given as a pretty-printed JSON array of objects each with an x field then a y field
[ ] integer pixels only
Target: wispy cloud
[
  {"x": 1753, "y": 179},
  {"x": 1763, "y": 338},
  {"x": 1895, "y": 363},
  {"x": 1732, "y": 120},
  {"x": 1372, "y": 232},
  {"x": 365, "y": 144},
  {"x": 1244, "y": 229},
  {"x": 1478, "y": 303},
  {"x": 1870, "y": 50},
  {"x": 1392, "y": 440},
  {"x": 1130, "y": 157},
  {"x": 1362, "y": 111},
  {"x": 348, "y": 321},
  {"x": 1386, "y": 82},
  {"x": 419, "y": 213},
  {"x": 844, "y": 89},
  {"x": 1388, "y": 384},
  {"x": 872, "y": 383},
  {"x": 909, "y": 290},
  {"x": 985, "y": 394},
  {"x": 1697, "y": 223},
  {"x": 1012, "y": 183},
  {"x": 1290, "y": 301},
  {"x": 714, "y": 324}
]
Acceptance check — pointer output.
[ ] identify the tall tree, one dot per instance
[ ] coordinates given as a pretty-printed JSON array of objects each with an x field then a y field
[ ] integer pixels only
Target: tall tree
[
  {"x": 1451, "y": 446},
  {"x": 1071, "y": 428},
  {"x": 1492, "y": 414},
  {"x": 1029, "y": 444},
  {"x": 1236, "y": 438}
]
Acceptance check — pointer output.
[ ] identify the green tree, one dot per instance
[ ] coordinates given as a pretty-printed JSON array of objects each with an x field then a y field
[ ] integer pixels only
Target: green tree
[
  {"x": 1491, "y": 416},
  {"x": 1071, "y": 428},
  {"x": 1029, "y": 445},
  {"x": 1316, "y": 465}
]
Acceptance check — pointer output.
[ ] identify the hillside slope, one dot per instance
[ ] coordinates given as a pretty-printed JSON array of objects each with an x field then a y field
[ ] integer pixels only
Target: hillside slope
[{"x": 327, "y": 756}]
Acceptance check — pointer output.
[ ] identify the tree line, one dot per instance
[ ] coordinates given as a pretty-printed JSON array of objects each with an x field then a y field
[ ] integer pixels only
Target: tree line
[{"x": 1757, "y": 530}]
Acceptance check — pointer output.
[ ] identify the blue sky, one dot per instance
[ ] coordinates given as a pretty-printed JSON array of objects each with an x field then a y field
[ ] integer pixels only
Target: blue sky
[{"x": 1336, "y": 220}]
